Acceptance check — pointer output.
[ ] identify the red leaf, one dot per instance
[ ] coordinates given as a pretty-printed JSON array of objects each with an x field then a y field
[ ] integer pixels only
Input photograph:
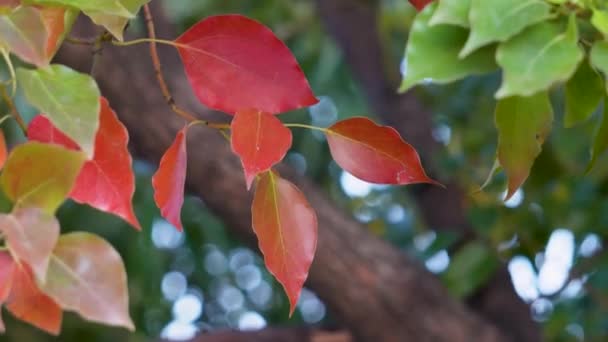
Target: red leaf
[
  {"x": 3, "y": 150},
  {"x": 168, "y": 182},
  {"x": 106, "y": 182},
  {"x": 29, "y": 304},
  {"x": 420, "y": 4},
  {"x": 7, "y": 265},
  {"x": 286, "y": 227},
  {"x": 375, "y": 154},
  {"x": 260, "y": 140},
  {"x": 41, "y": 129},
  {"x": 236, "y": 63}
]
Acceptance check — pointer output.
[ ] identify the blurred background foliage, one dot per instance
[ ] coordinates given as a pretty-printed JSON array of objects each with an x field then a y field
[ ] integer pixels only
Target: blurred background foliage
[{"x": 550, "y": 233}]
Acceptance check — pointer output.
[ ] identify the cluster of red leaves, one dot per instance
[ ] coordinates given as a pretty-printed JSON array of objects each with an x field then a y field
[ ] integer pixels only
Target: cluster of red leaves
[{"x": 238, "y": 66}]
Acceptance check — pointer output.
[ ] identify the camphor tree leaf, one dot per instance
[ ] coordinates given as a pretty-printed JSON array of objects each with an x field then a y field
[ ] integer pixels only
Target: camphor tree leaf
[
  {"x": 523, "y": 124},
  {"x": 116, "y": 24},
  {"x": 600, "y": 144},
  {"x": 169, "y": 180},
  {"x": 31, "y": 305},
  {"x": 87, "y": 275},
  {"x": 24, "y": 32},
  {"x": 432, "y": 53},
  {"x": 112, "y": 7},
  {"x": 499, "y": 20},
  {"x": 31, "y": 235},
  {"x": 106, "y": 182},
  {"x": 599, "y": 57},
  {"x": 584, "y": 91},
  {"x": 68, "y": 98},
  {"x": 40, "y": 175},
  {"x": 286, "y": 228},
  {"x": 235, "y": 63},
  {"x": 260, "y": 140},
  {"x": 376, "y": 154},
  {"x": 452, "y": 12},
  {"x": 538, "y": 57}
]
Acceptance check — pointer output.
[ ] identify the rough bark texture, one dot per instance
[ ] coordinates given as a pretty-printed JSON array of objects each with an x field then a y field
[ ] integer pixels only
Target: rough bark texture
[
  {"x": 376, "y": 291},
  {"x": 354, "y": 26}
]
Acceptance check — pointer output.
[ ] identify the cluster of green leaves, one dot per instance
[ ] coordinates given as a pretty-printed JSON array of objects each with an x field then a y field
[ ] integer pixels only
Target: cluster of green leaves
[{"x": 537, "y": 45}]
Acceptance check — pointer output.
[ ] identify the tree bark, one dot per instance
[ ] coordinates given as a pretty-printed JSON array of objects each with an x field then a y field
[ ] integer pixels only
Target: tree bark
[
  {"x": 372, "y": 288},
  {"x": 353, "y": 24}
]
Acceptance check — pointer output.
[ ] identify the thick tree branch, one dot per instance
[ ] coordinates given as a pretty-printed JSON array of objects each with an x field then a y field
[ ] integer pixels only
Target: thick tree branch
[
  {"x": 375, "y": 290},
  {"x": 353, "y": 23}
]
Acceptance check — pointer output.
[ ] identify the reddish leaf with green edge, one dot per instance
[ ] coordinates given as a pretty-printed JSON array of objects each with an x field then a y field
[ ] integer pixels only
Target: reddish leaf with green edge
[
  {"x": 3, "y": 150},
  {"x": 260, "y": 140},
  {"x": 106, "y": 182},
  {"x": 87, "y": 275},
  {"x": 286, "y": 227},
  {"x": 41, "y": 129},
  {"x": 169, "y": 180},
  {"x": 31, "y": 235},
  {"x": 235, "y": 63},
  {"x": 6, "y": 279},
  {"x": 374, "y": 153},
  {"x": 29, "y": 304},
  {"x": 40, "y": 175},
  {"x": 420, "y": 4}
]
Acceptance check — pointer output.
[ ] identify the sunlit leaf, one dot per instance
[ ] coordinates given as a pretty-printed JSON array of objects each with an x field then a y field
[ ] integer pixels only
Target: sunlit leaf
[
  {"x": 68, "y": 98},
  {"x": 87, "y": 275},
  {"x": 600, "y": 20},
  {"x": 169, "y": 181},
  {"x": 584, "y": 91},
  {"x": 24, "y": 32},
  {"x": 599, "y": 57},
  {"x": 538, "y": 57},
  {"x": 452, "y": 12},
  {"x": 235, "y": 63},
  {"x": 113, "y": 7},
  {"x": 31, "y": 235},
  {"x": 523, "y": 124},
  {"x": 116, "y": 24},
  {"x": 499, "y": 20},
  {"x": 40, "y": 175},
  {"x": 260, "y": 140},
  {"x": 432, "y": 53},
  {"x": 374, "y": 153},
  {"x": 29, "y": 304},
  {"x": 286, "y": 227},
  {"x": 600, "y": 145}
]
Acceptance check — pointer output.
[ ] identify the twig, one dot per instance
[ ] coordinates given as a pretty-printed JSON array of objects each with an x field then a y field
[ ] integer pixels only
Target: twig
[
  {"x": 80, "y": 41},
  {"x": 98, "y": 49},
  {"x": 13, "y": 109}
]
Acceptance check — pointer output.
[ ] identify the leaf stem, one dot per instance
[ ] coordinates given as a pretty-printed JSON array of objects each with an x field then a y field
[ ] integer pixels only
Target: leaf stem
[
  {"x": 219, "y": 126},
  {"x": 80, "y": 41},
  {"x": 314, "y": 128},
  {"x": 13, "y": 110}
]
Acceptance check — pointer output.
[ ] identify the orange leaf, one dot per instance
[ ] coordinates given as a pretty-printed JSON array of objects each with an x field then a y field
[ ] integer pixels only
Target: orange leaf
[
  {"x": 31, "y": 235},
  {"x": 29, "y": 304},
  {"x": 7, "y": 266},
  {"x": 106, "y": 182},
  {"x": 54, "y": 21},
  {"x": 87, "y": 275},
  {"x": 168, "y": 182},
  {"x": 286, "y": 227},
  {"x": 260, "y": 140},
  {"x": 3, "y": 150},
  {"x": 235, "y": 63},
  {"x": 375, "y": 154}
]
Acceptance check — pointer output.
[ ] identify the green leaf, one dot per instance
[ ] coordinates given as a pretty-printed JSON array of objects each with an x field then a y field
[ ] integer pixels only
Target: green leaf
[
  {"x": 68, "y": 98},
  {"x": 537, "y": 58},
  {"x": 23, "y": 32},
  {"x": 113, "y": 23},
  {"x": 499, "y": 20},
  {"x": 600, "y": 144},
  {"x": 40, "y": 175},
  {"x": 600, "y": 20},
  {"x": 584, "y": 91},
  {"x": 432, "y": 53},
  {"x": 599, "y": 57},
  {"x": 452, "y": 12},
  {"x": 87, "y": 275},
  {"x": 523, "y": 124},
  {"x": 470, "y": 268},
  {"x": 112, "y": 7}
]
